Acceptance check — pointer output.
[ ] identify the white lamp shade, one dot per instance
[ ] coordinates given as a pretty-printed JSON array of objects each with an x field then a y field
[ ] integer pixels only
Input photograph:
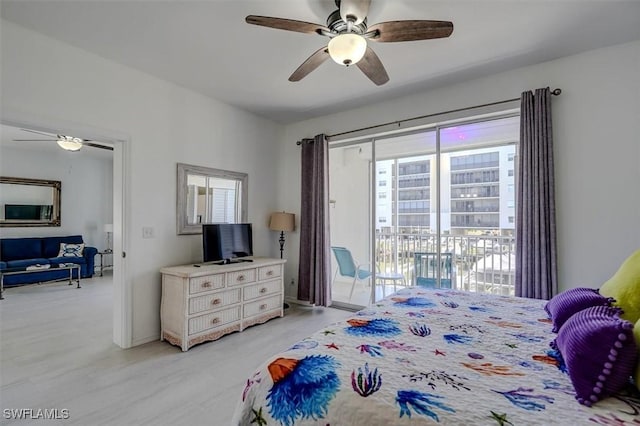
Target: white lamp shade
[
  {"x": 347, "y": 49},
  {"x": 281, "y": 221},
  {"x": 108, "y": 227},
  {"x": 70, "y": 143}
]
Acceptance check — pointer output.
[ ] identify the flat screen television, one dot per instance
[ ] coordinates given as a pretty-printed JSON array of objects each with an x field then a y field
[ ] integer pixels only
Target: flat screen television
[{"x": 226, "y": 241}]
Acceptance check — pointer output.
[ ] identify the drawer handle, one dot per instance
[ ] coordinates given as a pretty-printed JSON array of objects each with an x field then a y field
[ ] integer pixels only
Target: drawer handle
[
  {"x": 269, "y": 273},
  {"x": 206, "y": 284},
  {"x": 240, "y": 277},
  {"x": 216, "y": 301},
  {"x": 263, "y": 306},
  {"x": 215, "y": 320},
  {"x": 263, "y": 290}
]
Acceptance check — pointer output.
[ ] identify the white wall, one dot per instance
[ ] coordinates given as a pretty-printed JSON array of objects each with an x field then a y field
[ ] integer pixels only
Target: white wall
[
  {"x": 164, "y": 124},
  {"x": 597, "y": 151},
  {"x": 86, "y": 190}
]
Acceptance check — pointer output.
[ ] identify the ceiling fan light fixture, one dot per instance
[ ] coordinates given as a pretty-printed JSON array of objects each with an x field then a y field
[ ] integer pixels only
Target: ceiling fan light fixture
[
  {"x": 347, "y": 49},
  {"x": 69, "y": 143}
]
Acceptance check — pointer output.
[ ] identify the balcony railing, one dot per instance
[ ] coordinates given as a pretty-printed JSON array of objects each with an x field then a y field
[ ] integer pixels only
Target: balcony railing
[{"x": 482, "y": 263}]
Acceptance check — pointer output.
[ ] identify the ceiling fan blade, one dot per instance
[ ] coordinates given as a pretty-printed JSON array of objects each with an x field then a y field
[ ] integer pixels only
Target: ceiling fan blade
[
  {"x": 393, "y": 31},
  {"x": 39, "y": 133},
  {"x": 354, "y": 10},
  {"x": 371, "y": 66},
  {"x": 312, "y": 62},
  {"x": 34, "y": 140},
  {"x": 287, "y": 24},
  {"x": 95, "y": 145}
]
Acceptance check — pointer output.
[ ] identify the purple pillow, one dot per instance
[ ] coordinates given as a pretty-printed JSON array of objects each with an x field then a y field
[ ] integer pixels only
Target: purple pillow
[
  {"x": 563, "y": 305},
  {"x": 599, "y": 350}
]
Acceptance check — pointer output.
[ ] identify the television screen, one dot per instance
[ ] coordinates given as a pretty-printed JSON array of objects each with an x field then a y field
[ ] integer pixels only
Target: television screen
[{"x": 222, "y": 241}]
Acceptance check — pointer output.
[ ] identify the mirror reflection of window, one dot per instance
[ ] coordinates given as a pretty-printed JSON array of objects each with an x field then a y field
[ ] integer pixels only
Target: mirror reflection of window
[
  {"x": 29, "y": 202},
  {"x": 211, "y": 199},
  {"x": 209, "y": 196}
]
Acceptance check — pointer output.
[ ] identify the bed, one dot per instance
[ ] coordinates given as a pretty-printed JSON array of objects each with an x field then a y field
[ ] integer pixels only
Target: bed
[{"x": 428, "y": 357}]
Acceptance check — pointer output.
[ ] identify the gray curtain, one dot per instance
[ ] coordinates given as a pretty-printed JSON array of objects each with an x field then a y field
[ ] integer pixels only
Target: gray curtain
[
  {"x": 314, "y": 270},
  {"x": 536, "y": 266}
]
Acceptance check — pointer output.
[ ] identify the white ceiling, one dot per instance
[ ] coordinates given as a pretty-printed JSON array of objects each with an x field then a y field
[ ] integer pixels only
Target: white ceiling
[{"x": 207, "y": 46}]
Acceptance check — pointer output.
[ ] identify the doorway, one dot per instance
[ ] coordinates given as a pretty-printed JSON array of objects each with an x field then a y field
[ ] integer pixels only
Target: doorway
[{"x": 93, "y": 222}]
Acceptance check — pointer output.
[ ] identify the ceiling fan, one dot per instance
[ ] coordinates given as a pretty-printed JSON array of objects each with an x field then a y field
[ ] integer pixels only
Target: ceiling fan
[
  {"x": 348, "y": 32},
  {"x": 69, "y": 143}
]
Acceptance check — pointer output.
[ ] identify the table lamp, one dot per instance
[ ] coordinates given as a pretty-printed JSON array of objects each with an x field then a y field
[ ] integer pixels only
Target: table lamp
[{"x": 108, "y": 229}]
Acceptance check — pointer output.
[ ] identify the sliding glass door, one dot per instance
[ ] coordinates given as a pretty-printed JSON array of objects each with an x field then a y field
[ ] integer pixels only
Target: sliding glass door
[{"x": 433, "y": 208}]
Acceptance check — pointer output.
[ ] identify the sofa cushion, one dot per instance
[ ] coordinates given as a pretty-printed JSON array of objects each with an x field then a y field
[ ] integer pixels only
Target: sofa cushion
[
  {"x": 23, "y": 263},
  {"x": 20, "y": 248},
  {"x": 3, "y": 265},
  {"x": 51, "y": 245},
  {"x": 58, "y": 260}
]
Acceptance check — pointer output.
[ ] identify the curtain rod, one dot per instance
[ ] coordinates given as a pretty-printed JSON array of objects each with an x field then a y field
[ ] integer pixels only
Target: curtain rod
[{"x": 554, "y": 92}]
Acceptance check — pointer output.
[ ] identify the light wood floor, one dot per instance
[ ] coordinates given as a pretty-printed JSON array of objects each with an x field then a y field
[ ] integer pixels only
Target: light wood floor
[{"x": 57, "y": 352}]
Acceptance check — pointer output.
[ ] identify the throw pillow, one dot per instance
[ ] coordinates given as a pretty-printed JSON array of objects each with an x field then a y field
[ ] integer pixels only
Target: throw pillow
[
  {"x": 599, "y": 351},
  {"x": 70, "y": 250},
  {"x": 624, "y": 286},
  {"x": 563, "y": 305}
]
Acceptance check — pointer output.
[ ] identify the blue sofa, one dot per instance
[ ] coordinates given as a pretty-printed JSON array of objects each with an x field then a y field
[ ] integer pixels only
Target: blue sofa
[{"x": 16, "y": 253}]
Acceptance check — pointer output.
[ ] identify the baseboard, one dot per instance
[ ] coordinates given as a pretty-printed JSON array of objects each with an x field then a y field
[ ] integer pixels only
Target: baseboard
[
  {"x": 142, "y": 341},
  {"x": 297, "y": 302}
]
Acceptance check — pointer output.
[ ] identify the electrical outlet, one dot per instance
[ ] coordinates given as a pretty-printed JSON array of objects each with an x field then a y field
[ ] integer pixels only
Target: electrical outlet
[{"x": 148, "y": 232}]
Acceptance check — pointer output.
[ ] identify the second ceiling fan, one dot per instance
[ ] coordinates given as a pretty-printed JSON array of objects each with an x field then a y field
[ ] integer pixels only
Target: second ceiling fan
[
  {"x": 68, "y": 143},
  {"x": 348, "y": 32}
]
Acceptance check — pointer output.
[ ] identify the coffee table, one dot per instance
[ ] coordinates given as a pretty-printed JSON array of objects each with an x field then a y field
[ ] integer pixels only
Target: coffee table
[{"x": 65, "y": 266}]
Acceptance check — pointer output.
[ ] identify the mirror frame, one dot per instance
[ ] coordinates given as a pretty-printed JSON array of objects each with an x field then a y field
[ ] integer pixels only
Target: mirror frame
[
  {"x": 183, "y": 227},
  {"x": 56, "y": 187}
]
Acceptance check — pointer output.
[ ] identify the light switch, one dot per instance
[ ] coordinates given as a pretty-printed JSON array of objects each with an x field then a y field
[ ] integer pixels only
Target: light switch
[{"x": 148, "y": 232}]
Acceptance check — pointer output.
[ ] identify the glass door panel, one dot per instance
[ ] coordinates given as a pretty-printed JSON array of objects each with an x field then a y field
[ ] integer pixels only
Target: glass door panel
[
  {"x": 404, "y": 197},
  {"x": 350, "y": 223},
  {"x": 477, "y": 206}
]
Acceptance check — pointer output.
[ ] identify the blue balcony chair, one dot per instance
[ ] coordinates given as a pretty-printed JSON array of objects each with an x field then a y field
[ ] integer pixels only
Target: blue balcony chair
[
  {"x": 426, "y": 269},
  {"x": 347, "y": 267}
]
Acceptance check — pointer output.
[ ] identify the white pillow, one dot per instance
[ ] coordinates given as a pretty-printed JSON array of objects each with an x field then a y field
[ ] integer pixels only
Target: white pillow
[{"x": 71, "y": 250}]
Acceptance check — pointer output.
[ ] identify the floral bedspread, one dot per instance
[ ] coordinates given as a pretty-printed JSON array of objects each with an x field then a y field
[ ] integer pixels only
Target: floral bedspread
[{"x": 427, "y": 357}]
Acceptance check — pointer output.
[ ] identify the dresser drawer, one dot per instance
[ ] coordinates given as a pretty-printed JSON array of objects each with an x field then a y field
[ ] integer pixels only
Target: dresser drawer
[
  {"x": 264, "y": 305},
  {"x": 213, "y": 320},
  {"x": 241, "y": 277},
  {"x": 213, "y": 301},
  {"x": 268, "y": 272},
  {"x": 262, "y": 289},
  {"x": 206, "y": 283}
]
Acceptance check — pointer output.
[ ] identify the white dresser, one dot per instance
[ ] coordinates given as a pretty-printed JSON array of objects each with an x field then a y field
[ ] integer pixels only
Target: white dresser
[{"x": 205, "y": 303}]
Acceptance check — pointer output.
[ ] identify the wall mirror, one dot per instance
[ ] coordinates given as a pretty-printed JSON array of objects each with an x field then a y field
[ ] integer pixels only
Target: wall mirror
[
  {"x": 29, "y": 202},
  {"x": 207, "y": 195}
]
